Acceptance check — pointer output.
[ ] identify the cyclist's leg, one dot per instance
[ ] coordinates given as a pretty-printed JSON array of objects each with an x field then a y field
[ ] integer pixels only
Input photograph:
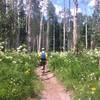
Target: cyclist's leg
[{"x": 44, "y": 66}]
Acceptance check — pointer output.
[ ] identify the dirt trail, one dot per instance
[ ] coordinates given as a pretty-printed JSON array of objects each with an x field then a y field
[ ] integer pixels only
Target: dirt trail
[{"x": 52, "y": 89}]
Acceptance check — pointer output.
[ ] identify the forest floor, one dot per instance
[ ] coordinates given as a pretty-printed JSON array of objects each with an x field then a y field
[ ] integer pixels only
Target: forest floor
[{"x": 53, "y": 90}]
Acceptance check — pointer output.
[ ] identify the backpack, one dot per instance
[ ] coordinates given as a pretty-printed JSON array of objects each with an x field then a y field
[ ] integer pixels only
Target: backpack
[{"x": 43, "y": 56}]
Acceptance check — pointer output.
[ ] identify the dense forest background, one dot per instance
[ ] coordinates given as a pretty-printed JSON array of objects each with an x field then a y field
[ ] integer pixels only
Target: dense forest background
[{"x": 34, "y": 24}]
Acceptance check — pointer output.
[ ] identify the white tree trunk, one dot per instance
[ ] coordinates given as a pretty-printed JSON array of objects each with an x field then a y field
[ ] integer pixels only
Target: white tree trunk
[
  {"x": 64, "y": 33},
  {"x": 29, "y": 25},
  {"x": 41, "y": 27},
  {"x": 75, "y": 28},
  {"x": 37, "y": 38},
  {"x": 64, "y": 29},
  {"x": 47, "y": 36},
  {"x": 86, "y": 20},
  {"x": 43, "y": 36}
]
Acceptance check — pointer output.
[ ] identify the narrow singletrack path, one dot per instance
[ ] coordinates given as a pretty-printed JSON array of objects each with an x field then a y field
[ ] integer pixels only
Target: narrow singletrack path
[{"x": 52, "y": 89}]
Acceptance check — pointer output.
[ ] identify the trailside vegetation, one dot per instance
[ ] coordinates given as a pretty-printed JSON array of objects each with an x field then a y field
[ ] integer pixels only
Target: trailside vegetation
[{"x": 80, "y": 74}]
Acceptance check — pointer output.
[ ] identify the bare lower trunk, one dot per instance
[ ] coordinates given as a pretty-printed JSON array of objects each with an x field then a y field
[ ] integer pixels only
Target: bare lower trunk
[
  {"x": 54, "y": 38},
  {"x": 75, "y": 27},
  {"x": 17, "y": 40},
  {"x": 75, "y": 33},
  {"x": 64, "y": 28},
  {"x": 43, "y": 36},
  {"x": 64, "y": 32},
  {"x": 18, "y": 33},
  {"x": 47, "y": 37},
  {"x": 37, "y": 42},
  {"x": 29, "y": 27},
  {"x": 41, "y": 24},
  {"x": 92, "y": 43},
  {"x": 86, "y": 37}
]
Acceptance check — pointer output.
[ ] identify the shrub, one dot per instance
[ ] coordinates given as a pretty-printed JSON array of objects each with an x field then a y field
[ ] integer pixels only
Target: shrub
[
  {"x": 17, "y": 77},
  {"x": 79, "y": 73}
]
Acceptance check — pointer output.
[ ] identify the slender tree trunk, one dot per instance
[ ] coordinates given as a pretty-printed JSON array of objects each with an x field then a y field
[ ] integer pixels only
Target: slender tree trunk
[
  {"x": 16, "y": 42},
  {"x": 60, "y": 37},
  {"x": 75, "y": 27},
  {"x": 9, "y": 33},
  {"x": 13, "y": 24},
  {"x": 26, "y": 21},
  {"x": 86, "y": 36},
  {"x": 64, "y": 32},
  {"x": 47, "y": 36},
  {"x": 43, "y": 37},
  {"x": 29, "y": 26},
  {"x": 69, "y": 29},
  {"x": 32, "y": 43},
  {"x": 41, "y": 27},
  {"x": 54, "y": 37},
  {"x": 7, "y": 7},
  {"x": 86, "y": 20},
  {"x": 93, "y": 42},
  {"x": 18, "y": 29},
  {"x": 64, "y": 29},
  {"x": 37, "y": 42}
]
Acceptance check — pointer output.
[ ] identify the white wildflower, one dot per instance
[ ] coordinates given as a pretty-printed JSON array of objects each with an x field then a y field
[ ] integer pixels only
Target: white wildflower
[{"x": 14, "y": 62}]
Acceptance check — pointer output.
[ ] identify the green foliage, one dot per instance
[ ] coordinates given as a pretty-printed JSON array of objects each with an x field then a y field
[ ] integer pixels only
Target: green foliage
[
  {"x": 17, "y": 77},
  {"x": 79, "y": 73}
]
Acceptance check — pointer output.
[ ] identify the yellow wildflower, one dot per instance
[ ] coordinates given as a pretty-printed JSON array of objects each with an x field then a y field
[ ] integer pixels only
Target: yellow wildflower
[
  {"x": 92, "y": 92},
  {"x": 39, "y": 55},
  {"x": 93, "y": 88},
  {"x": 27, "y": 72}
]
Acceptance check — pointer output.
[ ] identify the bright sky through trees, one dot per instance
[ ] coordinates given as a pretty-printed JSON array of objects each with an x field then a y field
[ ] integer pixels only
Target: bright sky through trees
[{"x": 81, "y": 4}]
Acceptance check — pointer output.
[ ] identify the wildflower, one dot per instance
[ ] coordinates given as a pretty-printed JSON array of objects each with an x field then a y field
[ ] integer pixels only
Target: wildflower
[
  {"x": 93, "y": 88},
  {"x": 24, "y": 50},
  {"x": 0, "y": 60},
  {"x": 11, "y": 78},
  {"x": 92, "y": 92},
  {"x": 9, "y": 57},
  {"x": 11, "y": 82},
  {"x": 13, "y": 90},
  {"x": 14, "y": 62},
  {"x": 1, "y": 47},
  {"x": 50, "y": 56},
  {"x": 89, "y": 98},
  {"x": 26, "y": 64},
  {"x": 82, "y": 78},
  {"x": 2, "y": 42},
  {"x": 20, "y": 46},
  {"x": 18, "y": 50},
  {"x": 27, "y": 72}
]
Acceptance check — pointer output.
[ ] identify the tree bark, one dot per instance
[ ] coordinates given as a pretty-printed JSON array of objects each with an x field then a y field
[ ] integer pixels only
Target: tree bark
[
  {"x": 75, "y": 27},
  {"x": 41, "y": 27},
  {"x": 64, "y": 29},
  {"x": 29, "y": 26},
  {"x": 86, "y": 36},
  {"x": 18, "y": 29},
  {"x": 54, "y": 37},
  {"x": 47, "y": 36}
]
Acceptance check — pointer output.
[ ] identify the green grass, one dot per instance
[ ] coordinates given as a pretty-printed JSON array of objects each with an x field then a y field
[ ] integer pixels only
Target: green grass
[{"x": 78, "y": 73}]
